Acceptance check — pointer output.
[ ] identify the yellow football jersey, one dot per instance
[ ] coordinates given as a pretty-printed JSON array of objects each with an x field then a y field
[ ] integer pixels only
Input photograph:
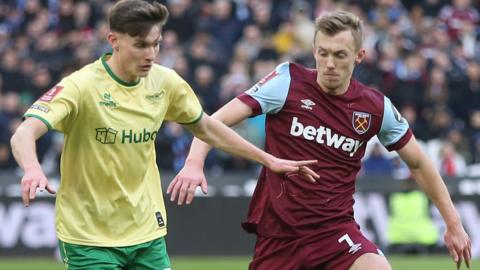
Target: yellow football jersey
[{"x": 110, "y": 192}]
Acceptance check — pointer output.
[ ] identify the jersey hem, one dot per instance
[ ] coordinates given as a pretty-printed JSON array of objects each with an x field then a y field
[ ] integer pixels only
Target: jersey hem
[
  {"x": 45, "y": 121},
  {"x": 116, "y": 244}
]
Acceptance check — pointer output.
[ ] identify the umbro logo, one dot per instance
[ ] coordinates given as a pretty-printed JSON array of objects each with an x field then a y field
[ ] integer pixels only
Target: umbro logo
[
  {"x": 354, "y": 248},
  {"x": 307, "y": 104}
]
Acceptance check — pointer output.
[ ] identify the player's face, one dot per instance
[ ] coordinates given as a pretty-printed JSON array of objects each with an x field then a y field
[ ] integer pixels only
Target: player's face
[
  {"x": 137, "y": 54},
  {"x": 335, "y": 58}
]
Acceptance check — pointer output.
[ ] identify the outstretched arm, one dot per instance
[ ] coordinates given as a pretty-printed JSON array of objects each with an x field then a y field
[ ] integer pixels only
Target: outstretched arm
[
  {"x": 423, "y": 171},
  {"x": 192, "y": 175},
  {"x": 23, "y": 146},
  {"x": 231, "y": 114},
  {"x": 218, "y": 135}
]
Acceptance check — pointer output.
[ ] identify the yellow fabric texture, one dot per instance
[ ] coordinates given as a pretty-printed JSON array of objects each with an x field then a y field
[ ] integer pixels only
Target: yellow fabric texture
[{"x": 110, "y": 192}]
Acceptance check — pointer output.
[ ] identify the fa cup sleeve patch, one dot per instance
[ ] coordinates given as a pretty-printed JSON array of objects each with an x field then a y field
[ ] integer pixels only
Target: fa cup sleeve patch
[{"x": 50, "y": 94}]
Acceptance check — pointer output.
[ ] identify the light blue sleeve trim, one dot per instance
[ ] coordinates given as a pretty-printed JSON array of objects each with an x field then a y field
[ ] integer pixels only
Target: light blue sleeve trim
[
  {"x": 272, "y": 94},
  {"x": 394, "y": 126}
]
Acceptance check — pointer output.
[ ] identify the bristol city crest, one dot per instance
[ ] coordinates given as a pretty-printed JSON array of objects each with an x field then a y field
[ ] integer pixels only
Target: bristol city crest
[{"x": 361, "y": 122}]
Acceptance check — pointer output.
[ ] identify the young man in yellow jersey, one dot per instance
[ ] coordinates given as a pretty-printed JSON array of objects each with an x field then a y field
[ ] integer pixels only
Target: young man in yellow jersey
[{"x": 109, "y": 207}]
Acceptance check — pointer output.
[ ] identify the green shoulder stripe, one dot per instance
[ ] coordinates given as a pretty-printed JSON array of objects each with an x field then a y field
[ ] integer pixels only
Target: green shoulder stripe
[
  {"x": 196, "y": 119},
  {"x": 39, "y": 118}
]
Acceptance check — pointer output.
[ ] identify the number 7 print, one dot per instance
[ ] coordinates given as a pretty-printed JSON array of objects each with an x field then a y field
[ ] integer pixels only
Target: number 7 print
[{"x": 353, "y": 247}]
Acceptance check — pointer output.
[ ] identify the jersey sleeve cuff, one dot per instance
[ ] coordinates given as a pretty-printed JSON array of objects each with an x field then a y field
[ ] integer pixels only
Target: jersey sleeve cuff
[
  {"x": 195, "y": 120},
  {"x": 251, "y": 102},
  {"x": 401, "y": 143},
  {"x": 49, "y": 126}
]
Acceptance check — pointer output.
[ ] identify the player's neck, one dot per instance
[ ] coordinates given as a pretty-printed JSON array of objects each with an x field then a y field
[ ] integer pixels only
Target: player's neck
[{"x": 119, "y": 70}]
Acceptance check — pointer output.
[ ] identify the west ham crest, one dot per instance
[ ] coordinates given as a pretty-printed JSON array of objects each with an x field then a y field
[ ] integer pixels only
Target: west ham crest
[{"x": 361, "y": 122}]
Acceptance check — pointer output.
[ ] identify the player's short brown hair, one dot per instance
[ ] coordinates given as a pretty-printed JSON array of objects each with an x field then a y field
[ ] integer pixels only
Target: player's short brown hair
[
  {"x": 136, "y": 17},
  {"x": 334, "y": 22}
]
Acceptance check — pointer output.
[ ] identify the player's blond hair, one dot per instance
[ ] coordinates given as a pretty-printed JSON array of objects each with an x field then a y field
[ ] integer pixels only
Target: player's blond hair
[{"x": 332, "y": 23}]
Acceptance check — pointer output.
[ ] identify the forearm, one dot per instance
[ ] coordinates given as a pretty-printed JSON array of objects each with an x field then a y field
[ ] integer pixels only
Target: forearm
[
  {"x": 433, "y": 185},
  {"x": 23, "y": 143},
  {"x": 24, "y": 149}
]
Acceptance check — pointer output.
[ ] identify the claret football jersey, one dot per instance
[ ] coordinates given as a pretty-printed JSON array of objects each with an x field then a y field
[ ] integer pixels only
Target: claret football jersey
[
  {"x": 303, "y": 122},
  {"x": 110, "y": 192}
]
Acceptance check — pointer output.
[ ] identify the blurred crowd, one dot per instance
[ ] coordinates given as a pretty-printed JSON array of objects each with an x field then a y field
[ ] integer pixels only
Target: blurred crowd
[{"x": 424, "y": 55}]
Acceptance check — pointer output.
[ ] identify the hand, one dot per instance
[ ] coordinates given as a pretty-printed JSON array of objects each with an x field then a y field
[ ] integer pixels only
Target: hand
[
  {"x": 289, "y": 166},
  {"x": 31, "y": 180},
  {"x": 186, "y": 182},
  {"x": 459, "y": 245}
]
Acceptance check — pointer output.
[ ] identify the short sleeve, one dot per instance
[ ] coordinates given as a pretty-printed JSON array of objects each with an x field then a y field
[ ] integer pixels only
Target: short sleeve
[
  {"x": 270, "y": 93},
  {"x": 394, "y": 132},
  {"x": 58, "y": 106},
  {"x": 184, "y": 107}
]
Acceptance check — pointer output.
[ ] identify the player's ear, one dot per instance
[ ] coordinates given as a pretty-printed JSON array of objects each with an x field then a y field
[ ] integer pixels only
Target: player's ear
[
  {"x": 112, "y": 38},
  {"x": 360, "y": 56}
]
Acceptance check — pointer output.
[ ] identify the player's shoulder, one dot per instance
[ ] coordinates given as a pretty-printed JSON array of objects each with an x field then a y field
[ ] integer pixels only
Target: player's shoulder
[
  {"x": 296, "y": 67},
  {"x": 89, "y": 74},
  {"x": 301, "y": 72},
  {"x": 164, "y": 74},
  {"x": 368, "y": 92},
  {"x": 162, "y": 71},
  {"x": 291, "y": 68}
]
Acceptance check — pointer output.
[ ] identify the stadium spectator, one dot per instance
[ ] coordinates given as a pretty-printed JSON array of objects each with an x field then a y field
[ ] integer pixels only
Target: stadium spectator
[
  {"x": 456, "y": 15},
  {"x": 224, "y": 24},
  {"x": 109, "y": 208},
  {"x": 451, "y": 163},
  {"x": 326, "y": 115},
  {"x": 206, "y": 87},
  {"x": 182, "y": 19}
]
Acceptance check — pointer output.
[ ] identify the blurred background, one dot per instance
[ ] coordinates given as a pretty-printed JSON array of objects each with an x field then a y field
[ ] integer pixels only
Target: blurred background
[{"x": 424, "y": 55}]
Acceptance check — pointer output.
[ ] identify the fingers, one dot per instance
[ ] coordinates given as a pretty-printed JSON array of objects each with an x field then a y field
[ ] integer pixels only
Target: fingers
[
  {"x": 466, "y": 257},
  {"x": 190, "y": 194},
  {"x": 33, "y": 190},
  {"x": 25, "y": 193},
  {"x": 204, "y": 186},
  {"x": 50, "y": 189},
  {"x": 459, "y": 263},
  {"x": 453, "y": 253},
  {"x": 305, "y": 162},
  {"x": 184, "y": 190},
  {"x": 307, "y": 171},
  {"x": 174, "y": 188},
  {"x": 41, "y": 186},
  {"x": 467, "y": 253},
  {"x": 170, "y": 186},
  {"x": 310, "y": 178}
]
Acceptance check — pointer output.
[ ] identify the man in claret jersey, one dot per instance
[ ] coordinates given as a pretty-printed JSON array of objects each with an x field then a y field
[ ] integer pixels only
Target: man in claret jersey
[{"x": 327, "y": 115}]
